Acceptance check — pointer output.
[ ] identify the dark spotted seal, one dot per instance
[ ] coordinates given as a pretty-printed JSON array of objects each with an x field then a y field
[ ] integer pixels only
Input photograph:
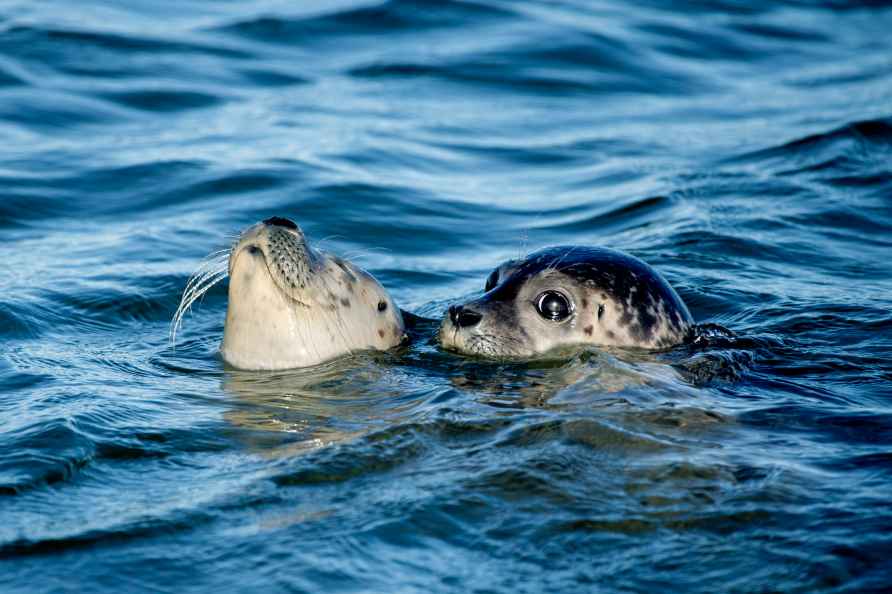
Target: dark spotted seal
[{"x": 568, "y": 295}]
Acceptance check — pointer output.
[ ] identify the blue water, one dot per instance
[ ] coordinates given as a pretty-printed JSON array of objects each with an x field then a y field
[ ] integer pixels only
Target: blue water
[{"x": 744, "y": 149}]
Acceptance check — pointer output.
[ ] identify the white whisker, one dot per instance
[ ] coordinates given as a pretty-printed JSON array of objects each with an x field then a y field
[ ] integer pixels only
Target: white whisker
[
  {"x": 212, "y": 270},
  {"x": 321, "y": 243},
  {"x": 554, "y": 265},
  {"x": 359, "y": 254},
  {"x": 211, "y": 263}
]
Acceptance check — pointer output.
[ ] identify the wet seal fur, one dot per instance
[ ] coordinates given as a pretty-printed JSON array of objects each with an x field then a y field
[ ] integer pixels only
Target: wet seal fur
[
  {"x": 291, "y": 305},
  {"x": 589, "y": 295}
]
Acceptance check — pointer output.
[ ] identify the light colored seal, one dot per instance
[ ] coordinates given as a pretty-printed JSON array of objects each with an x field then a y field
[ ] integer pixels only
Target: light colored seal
[
  {"x": 563, "y": 296},
  {"x": 291, "y": 305}
]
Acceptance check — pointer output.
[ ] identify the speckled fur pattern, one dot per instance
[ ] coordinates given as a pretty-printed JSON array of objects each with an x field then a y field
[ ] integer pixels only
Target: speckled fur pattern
[{"x": 616, "y": 300}]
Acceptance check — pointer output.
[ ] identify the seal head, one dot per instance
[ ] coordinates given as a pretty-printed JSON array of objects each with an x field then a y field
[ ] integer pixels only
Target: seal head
[
  {"x": 563, "y": 296},
  {"x": 291, "y": 305}
]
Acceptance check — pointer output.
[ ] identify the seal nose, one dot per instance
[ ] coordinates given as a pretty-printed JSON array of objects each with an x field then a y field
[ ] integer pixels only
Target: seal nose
[
  {"x": 280, "y": 222},
  {"x": 463, "y": 318}
]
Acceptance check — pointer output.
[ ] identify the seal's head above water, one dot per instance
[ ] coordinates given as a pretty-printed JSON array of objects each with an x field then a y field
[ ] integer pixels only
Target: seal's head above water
[
  {"x": 568, "y": 295},
  {"x": 291, "y": 305}
]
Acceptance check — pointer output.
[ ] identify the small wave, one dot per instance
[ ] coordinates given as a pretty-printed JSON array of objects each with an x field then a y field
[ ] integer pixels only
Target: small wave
[
  {"x": 163, "y": 100},
  {"x": 45, "y": 453},
  {"x": 388, "y": 17},
  {"x": 506, "y": 72},
  {"x": 56, "y": 112},
  {"x": 8, "y": 79},
  {"x": 379, "y": 452},
  {"x": 92, "y": 538},
  {"x": 634, "y": 213},
  {"x": 48, "y": 44},
  {"x": 866, "y": 136}
]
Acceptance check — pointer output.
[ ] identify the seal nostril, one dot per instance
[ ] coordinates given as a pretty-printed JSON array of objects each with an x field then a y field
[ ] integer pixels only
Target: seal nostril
[
  {"x": 462, "y": 317},
  {"x": 280, "y": 222}
]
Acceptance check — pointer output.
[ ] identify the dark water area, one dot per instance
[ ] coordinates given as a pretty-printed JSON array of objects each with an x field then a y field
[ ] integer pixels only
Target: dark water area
[{"x": 744, "y": 149}]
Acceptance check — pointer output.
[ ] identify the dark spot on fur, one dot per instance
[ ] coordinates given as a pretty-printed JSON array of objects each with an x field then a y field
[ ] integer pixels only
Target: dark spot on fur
[
  {"x": 626, "y": 319},
  {"x": 380, "y": 332},
  {"x": 396, "y": 331},
  {"x": 584, "y": 303},
  {"x": 332, "y": 296},
  {"x": 348, "y": 274},
  {"x": 382, "y": 306},
  {"x": 588, "y": 330},
  {"x": 611, "y": 335},
  {"x": 348, "y": 279},
  {"x": 345, "y": 302}
]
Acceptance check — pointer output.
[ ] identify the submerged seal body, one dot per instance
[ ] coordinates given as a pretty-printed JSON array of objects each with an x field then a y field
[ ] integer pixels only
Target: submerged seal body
[
  {"x": 568, "y": 295},
  {"x": 291, "y": 305}
]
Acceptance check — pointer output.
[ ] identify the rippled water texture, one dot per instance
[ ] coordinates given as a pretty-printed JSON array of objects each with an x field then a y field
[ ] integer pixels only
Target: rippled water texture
[{"x": 742, "y": 148}]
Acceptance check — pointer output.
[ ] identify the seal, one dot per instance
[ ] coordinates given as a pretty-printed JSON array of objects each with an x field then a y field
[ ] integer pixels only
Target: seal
[
  {"x": 567, "y": 295},
  {"x": 292, "y": 305}
]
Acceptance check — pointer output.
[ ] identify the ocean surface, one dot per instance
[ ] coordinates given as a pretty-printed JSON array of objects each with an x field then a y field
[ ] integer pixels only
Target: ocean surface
[{"x": 743, "y": 148}]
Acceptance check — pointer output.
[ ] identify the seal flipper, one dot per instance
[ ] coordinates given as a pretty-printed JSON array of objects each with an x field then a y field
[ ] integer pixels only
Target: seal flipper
[{"x": 705, "y": 335}]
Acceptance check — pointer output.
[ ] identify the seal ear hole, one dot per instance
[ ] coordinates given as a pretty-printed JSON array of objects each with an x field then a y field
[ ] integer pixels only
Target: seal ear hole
[
  {"x": 382, "y": 306},
  {"x": 491, "y": 281},
  {"x": 600, "y": 310}
]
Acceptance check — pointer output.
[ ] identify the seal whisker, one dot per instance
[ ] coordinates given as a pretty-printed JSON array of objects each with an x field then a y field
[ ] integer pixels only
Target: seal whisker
[
  {"x": 188, "y": 299},
  {"x": 554, "y": 265},
  {"x": 321, "y": 243},
  {"x": 199, "y": 278},
  {"x": 360, "y": 254},
  {"x": 211, "y": 262},
  {"x": 190, "y": 295}
]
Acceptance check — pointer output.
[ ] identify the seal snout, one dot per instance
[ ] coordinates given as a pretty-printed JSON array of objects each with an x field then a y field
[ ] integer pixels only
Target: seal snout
[{"x": 463, "y": 317}]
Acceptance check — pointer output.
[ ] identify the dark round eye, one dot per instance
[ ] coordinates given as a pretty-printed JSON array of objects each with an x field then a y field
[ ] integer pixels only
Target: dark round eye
[
  {"x": 553, "y": 306},
  {"x": 491, "y": 281}
]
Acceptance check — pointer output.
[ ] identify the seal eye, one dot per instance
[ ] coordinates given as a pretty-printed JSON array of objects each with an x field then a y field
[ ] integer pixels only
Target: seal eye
[
  {"x": 491, "y": 281},
  {"x": 553, "y": 306}
]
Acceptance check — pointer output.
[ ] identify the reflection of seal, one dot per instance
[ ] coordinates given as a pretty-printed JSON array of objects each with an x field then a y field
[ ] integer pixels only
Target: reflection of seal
[
  {"x": 564, "y": 296},
  {"x": 291, "y": 305}
]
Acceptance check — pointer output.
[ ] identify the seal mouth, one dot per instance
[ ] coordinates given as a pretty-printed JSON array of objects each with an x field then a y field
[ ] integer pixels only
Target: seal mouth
[{"x": 476, "y": 343}]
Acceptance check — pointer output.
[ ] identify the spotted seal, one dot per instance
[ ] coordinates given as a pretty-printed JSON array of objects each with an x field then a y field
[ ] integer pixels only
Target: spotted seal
[
  {"x": 567, "y": 295},
  {"x": 292, "y": 305}
]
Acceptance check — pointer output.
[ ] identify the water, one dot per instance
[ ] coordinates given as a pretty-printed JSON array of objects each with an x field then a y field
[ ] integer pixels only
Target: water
[{"x": 742, "y": 148}]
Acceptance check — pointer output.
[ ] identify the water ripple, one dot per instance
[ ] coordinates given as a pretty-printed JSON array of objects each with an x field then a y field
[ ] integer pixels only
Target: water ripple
[{"x": 742, "y": 148}]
